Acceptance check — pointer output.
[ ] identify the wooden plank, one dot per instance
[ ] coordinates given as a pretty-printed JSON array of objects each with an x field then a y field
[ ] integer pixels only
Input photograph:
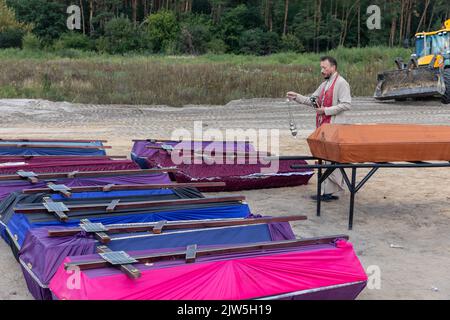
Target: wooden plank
[
  {"x": 62, "y": 157},
  {"x": 157, "y": 229},
  {"x": 99, "y": 235},
  {"x": 28, "y": 175},
  {"x": 56, "y": 146},
  {"x": 60, "y": 188},
  {"x": 106, "y": 188},
  {"x": 72, "y": 174},
  {"x": 112, "y": 206},
  {"x": 102, "y": 237},
  {"x": 33, "y": 180},
  {"x": 150, "y": 258},
  {"x": 118, "y": 187},
  {"x": 128, "y": 269},
  {"x": 216, "y": 153},
  {"x": 94, "y": 173},
  {"x": 243, "y": 156},
  {"x": 52, "y": 140},
  {"x": 61, "y": 216},
  {"x": 124, "y": 172},
  {"x": 198, "y": 224},
  {"x": 371, "y": 165},
  {"x": 137, "y": 204},
  {"x": 65, "y": 193},
  {"x": 193, "y": 140},
  {"x": 191, "y": 253},
  {"x": 57, "y": 208}
]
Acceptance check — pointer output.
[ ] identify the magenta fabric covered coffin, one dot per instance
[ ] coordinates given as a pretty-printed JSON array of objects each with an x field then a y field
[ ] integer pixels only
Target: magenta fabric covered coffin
[
  {"x": 41, "y": 254},
  {"x": 237, "y": 164},
  {"x": 315, "y": 271}
]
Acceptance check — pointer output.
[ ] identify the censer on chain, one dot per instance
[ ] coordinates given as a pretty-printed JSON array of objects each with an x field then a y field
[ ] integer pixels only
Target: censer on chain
[{"x": 292, "y": 125}]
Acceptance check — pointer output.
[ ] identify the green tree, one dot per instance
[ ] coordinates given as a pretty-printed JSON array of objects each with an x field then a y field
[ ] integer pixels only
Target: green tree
[
  {"x": 231, "y": 26},
  {"x": 48, "y": 18},
  {"x": 162, "y": 30},
  {"x": 195, "y": 34},
  {"x": 73, "y": 40},
  {"x": 8, "y": 19},
  {"x": 318, "y": 25},
  {"x": 291, "y": 43},
  {"x": 303, "y": 29},
  {"x": 194, "y": 39},
  {"x": 121, "y": 36},
  {"x": 251, "y": 42},
  {"x": 31, "y": 42},
  {"x": 11, "y": 30}
]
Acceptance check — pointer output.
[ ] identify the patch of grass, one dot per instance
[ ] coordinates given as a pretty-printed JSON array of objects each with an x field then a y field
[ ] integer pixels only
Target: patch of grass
[{"x": 87, "y": 77}]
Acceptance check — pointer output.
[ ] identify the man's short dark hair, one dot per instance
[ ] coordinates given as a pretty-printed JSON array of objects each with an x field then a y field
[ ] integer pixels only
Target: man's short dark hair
[{"x": 330, "y": 59}]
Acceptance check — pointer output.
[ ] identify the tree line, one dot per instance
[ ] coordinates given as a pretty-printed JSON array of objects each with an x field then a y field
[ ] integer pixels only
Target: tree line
[{"x": 220, "y": 26}]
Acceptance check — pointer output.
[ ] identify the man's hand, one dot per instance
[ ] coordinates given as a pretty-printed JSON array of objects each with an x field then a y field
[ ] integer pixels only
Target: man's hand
[
  {"x": 320, "y": 110},
  {"x": 291, "y": 95}
]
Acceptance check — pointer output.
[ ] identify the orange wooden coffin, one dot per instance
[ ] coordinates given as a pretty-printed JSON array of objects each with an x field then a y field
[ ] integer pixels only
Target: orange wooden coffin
[{"x": 354, "y": 143}]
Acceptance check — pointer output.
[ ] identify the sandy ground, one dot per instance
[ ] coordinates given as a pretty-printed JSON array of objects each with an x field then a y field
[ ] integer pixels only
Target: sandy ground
[{"x": 407, "y": 208}]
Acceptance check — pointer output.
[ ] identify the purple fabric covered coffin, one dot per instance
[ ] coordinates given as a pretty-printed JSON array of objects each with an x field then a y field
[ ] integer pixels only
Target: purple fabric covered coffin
[
  {"x": 237, "y": 164},
  {"x": 41, "y": 255},
  {"x": 10, "y": 160},
  {"x": 42, "y": 166},
  {"x": 7, "y": 187}
]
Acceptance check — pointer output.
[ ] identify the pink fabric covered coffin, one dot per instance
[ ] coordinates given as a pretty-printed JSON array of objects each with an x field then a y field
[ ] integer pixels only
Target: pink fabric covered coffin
[
  {"x": 316, "y": 271},
  {"x": 237, "y": 164}
]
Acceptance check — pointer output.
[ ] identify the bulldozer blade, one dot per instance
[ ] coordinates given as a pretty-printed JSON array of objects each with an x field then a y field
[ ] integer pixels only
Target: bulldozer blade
[{"x": 409, "y": 83}]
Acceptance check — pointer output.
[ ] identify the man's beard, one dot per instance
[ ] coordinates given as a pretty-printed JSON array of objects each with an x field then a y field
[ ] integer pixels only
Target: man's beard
[{"x": 326, "y": 76}]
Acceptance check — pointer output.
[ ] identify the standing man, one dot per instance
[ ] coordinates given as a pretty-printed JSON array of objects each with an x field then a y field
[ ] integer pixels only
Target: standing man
[{"x": 332, "y": 100}]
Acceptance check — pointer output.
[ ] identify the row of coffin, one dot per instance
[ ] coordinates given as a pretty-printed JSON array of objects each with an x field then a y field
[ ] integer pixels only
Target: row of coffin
[
  {"x": 249, "y": 169},
  {"x": 127, "y": 233}
]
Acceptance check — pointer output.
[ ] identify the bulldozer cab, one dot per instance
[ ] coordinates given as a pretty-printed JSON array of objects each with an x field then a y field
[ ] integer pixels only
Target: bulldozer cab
[
  {"x": 425, "y": 75},
  {"x": 432, "y": 44}
]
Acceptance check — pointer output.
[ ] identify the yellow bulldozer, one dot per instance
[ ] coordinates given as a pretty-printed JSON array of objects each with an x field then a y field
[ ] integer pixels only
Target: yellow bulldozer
[{"x": 426, "y": 74}]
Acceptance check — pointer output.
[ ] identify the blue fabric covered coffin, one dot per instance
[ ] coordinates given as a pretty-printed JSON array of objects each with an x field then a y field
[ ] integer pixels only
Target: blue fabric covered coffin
[
  {"x": 159, "y": 205},
  {"x": 51, "y": 147}
]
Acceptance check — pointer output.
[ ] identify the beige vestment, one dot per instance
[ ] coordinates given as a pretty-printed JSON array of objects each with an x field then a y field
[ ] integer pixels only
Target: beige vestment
[{"x": 342, "y": 101}]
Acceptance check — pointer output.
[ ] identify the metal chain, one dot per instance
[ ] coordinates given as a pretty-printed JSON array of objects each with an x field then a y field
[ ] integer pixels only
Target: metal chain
[{"x": 292, "y": 125}]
